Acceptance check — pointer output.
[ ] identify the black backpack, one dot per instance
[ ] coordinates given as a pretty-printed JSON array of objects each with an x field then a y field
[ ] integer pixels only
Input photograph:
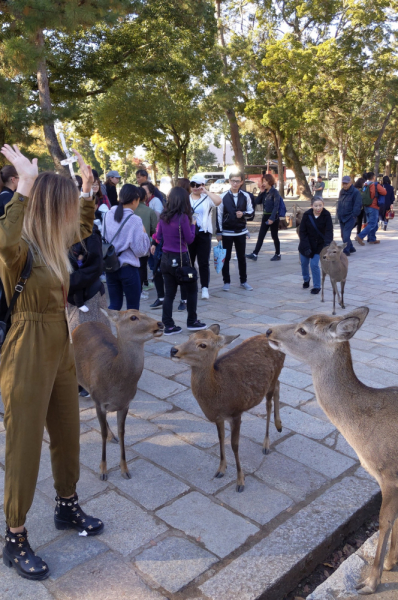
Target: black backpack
[{"x": 6, "y": 311}]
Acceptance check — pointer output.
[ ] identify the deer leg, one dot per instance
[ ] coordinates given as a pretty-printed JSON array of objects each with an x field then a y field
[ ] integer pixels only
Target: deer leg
[
  {"x": 334, "y": 286},
  {"x": 342, "y": 294},
  {"x": 392, "y": 558},
  {"x": 235, "y": 431},
  {"x": 323, "y": 285},
  {"x": 277, "y": 417},
  {"x": 110, "y": 436},
  {"x": 101, "y": 414},
  {"x": 221, "y": 436},
  {"x": 121, "y": 422},
  {"x": 269, "y": 410},
  {"x": 388, "y": 514}
]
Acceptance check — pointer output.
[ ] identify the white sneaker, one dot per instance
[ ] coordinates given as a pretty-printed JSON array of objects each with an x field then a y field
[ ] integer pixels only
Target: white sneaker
[
  {"x": 226, "y": 287},
  {"x": 246, "y": 286},
  {"x": 144, "y": 296},
  {"x": 205, "y": 293}
]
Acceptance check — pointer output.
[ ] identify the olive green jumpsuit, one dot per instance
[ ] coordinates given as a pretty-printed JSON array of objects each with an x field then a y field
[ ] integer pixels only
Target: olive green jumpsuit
[{"x": 37, "y": 370}]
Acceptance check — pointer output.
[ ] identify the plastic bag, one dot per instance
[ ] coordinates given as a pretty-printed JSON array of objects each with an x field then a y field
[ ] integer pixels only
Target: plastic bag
[{"x": 219, "y": 257}]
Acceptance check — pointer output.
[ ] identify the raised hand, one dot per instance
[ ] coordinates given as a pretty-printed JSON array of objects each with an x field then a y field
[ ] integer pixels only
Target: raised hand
[
  {"x": 85, "y": 172},
  {"x": 27, "y": 170}
]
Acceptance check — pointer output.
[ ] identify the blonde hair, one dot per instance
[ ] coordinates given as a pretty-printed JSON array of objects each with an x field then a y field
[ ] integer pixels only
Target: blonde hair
[{"x": 51, "y": 223}]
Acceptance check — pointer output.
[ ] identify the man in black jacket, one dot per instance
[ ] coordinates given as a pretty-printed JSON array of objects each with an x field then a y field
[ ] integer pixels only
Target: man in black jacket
[
  {"x": 143, "y": 178},
  {"x": 231, "y": 228}
]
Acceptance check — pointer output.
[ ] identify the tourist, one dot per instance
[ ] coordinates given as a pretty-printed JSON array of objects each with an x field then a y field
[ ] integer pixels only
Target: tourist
[
  {"x": 319, "y": 187},
  {"x": 112, "y": 179},
  {"x": 152, "y": 200},
  {"x": 150, "y": 221},
  {"x": 388, "y": 203},
  {"x": 231, "y": 228},
  {"x": 348, "y": 208},
  {"x": 315, "y": 232},
  {"x": 270, "y": 199},
  {"x": 372, "y": 211},
  {"x": 362, "y": 215},
  {"x": 8, "y": 185},
  {"x": 142, "y": 177}
]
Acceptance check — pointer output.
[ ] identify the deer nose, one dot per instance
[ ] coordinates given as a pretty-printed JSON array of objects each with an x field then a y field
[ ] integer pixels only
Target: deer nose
[
  {"x": 160, "y": 325},
  {"x": 173, "y": 352},
  {"x": 268, "y": 332}
]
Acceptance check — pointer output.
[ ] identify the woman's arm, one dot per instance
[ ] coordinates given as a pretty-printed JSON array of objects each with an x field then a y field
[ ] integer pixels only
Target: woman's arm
[
  {"x": 275, "y": 210},
  {"x": 215, "y": 198}
]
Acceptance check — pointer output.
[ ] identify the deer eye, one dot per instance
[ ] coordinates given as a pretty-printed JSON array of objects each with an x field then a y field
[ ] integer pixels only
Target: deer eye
[
  {"x": 133, "y": 318},
  {"x": 302, "y": 331},
  {"x": 202, "y": 346}
]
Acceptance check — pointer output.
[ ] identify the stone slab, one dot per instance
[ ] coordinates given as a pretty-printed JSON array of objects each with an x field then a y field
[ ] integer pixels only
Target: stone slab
[
  {"x": 136, "y": 430},
  {"x": 220, "y": 530},
  {"x": 89, "y": 485},
  {"x": 90, "y": 452},
  {"x": 293, "y": 396},
  {"x": 303, "y": 423},
  {"x": 295, "y": 378},
  {"x": 127, "y": 527},
  {"x": 192, "y": 429},
  {"x": 105, "y": 577},
  {"x": 150, "y": 486},
  {"x": 316, "y": 456},
  {"x": 187, "y": 401},
  {"x": 164, "y": 366},
  {"x": 146, "y": 406},
  {"x": 254, "y": 428},
  {"x": 250, "y": 454},
  {"x": 281, "y": 557},
  {"x": 174, "y": 562},
  {"x": 289, "y": 476},
  {"x": 258, "y": 501},
  {"x": 191, "y": 464},
  {"x": 40, "y": 521},
  {"x": 13, "y": 587},
  {"x": 158, "y": 386}
]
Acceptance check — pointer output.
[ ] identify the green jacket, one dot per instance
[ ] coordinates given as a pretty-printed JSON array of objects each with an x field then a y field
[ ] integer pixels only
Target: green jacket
[{"x": 148, "y": 218}]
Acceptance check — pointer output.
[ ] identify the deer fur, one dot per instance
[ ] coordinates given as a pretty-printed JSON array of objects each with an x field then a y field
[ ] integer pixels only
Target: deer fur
[
  {"x": 109, "y": 368},
  {"x": 225, "y": 387},
  {"x": 335, "y": 264},
  {"x": 365, "y": 416}
]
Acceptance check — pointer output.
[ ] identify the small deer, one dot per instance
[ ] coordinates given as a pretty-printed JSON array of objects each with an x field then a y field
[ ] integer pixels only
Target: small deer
[
  {"x": 225, "y": 387},
  {"x": 109, "y": 368},
  {"x": 335, "y": 264},
  {"x": 366, "y": 417}
]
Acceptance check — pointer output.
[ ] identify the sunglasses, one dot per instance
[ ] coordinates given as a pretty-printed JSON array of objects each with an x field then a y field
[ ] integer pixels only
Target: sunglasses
[{"x": 196, "y": 185}]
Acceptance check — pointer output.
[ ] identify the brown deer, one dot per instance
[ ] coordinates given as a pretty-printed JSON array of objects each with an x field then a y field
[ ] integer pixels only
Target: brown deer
[
  {"x": 335, "y": 264},
  {"x": 109, "y": 368},
  {"x": 366, "y": 417},
  {"x": 225, "y": 387}
]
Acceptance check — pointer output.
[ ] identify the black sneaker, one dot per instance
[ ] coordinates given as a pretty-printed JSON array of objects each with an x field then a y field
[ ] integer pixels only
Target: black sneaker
[
  {"x": 69, "y": 515},
  {"x": 172, "y": 330},
  {"x": 196, "y": 326},
  {"x": 182, "y": 306},
  {"x": 157, "y": 304},
  {"x": 276, "y": 257},
  {"x": 315, "y": 290},
  {"x": 17, "y": 553},
  {"x": 306, "y": 284},
  {"x": 84, "y": 393},
  {"x": 251, "y": 256}
]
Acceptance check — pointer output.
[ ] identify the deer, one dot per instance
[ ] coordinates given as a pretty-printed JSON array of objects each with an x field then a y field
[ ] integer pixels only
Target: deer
[
  {"x": 335, "y": 264},
  {"x": 109, "y": 368},
  {"x": 366, "y": 417},
  {"x": 227, "y": 386}
]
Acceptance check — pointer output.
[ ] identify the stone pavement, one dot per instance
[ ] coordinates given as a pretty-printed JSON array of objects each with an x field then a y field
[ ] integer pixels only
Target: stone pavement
[{"x": 173, "y": 531}]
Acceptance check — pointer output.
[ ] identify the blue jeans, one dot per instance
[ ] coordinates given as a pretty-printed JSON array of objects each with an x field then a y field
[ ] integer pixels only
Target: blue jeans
[
  {"x": 313, "y": 262},
  {"x": 346, "y": 229},
  {"x": 126, "y": 280},
  {"x": 372, "y": 215}
]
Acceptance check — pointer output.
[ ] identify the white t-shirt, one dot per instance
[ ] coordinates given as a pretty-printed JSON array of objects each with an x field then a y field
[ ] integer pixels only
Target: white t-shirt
[{"x": 201, "y": 207}]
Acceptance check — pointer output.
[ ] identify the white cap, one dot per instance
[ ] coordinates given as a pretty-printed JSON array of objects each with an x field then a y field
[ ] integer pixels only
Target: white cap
[{"x": 200, "y": 179}]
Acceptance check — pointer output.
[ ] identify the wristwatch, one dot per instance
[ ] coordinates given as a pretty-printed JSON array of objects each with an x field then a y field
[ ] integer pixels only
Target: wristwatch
[{"x": 85, "y": 194}]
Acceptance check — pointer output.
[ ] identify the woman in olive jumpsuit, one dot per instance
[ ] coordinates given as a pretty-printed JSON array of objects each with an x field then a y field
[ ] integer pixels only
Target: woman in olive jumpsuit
[{"x": 38, "y": 383}]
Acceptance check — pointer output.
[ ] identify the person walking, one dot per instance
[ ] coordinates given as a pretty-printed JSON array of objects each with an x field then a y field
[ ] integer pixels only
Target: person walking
[
  {"x": 348, "y": 208},
  {"x": 319, "y": 187},
  {"x": 149, "y": 221},
  {"x": 175, "y": 231},
  {"x": 112, "y": 179},
  {"x": 388, "y": 202},
  {"x": 372, "y": 211},
  {"x": 130, "y": 243},
  {"x": 231, "y": 228},
  {"x": 8, "y": 185},
  {"x": 360, "y": 182},
  {"x": 315, "y": 233},
  {"x": 37, "y": 371},
  {"x": 202, "y": 204},
  {"x": 270, "y": 199}
]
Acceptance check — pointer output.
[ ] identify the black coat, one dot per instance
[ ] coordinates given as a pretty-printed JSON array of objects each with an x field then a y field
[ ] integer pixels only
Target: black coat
[
  {"x": 5, "y": 196},
  {"x": 311, "y": 240},
  {"x": 85, "y": 281},
  {"x": 270, "y": 201},
  {"x": 111, "y": 192}
]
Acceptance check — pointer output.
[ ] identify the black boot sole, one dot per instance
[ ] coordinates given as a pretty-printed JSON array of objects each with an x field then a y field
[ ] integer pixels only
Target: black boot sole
[
  {"x": 10, "y": 564},
  {"x": 62, "y": 525}
]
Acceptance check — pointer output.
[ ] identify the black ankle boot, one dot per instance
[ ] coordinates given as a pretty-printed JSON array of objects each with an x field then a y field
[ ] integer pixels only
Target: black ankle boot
[
  {"x": 68, "y": 514},
  {"x": 17, "y": 553}
]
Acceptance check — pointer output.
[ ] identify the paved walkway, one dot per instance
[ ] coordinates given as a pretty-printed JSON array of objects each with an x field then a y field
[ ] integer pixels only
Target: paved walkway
[{"x": 173, "y": 531}]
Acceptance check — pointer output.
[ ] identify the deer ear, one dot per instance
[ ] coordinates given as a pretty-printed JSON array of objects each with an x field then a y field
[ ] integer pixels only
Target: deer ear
[
  {"x": 225, "y": 340},
  {"x": 342, "y": 246},
  {"x": 215, "y": 328},
  {"x": 344, "y": 329},
  {"x": 111, "y": 314}
]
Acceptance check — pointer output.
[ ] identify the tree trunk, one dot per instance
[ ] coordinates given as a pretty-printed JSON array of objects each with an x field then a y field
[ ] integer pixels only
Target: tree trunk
[
  {"x": 176, "y": 169},
  {"x": 235, "y": 139},
  {"x": 154, "y": 171},
  {"x": 316, "y": 170},
  {"x": 293, "y": 161},
  {"x": 46, "y": 110},
  {"x": 184, "y": 163},
  {"x": 341, "y": 164},
  {"x": 281, "y": 181},
  {"x": 378, "y": 140}
]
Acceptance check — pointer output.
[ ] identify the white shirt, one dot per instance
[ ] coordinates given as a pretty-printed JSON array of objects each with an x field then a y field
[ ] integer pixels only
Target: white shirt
[
  {"x": 156, "y": 205},
  {"x": 202, "y": 208}
]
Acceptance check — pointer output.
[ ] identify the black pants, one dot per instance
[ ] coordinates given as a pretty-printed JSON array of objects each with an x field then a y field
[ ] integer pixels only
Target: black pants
[
  {"x": 159, "y": 285},
  {"x": 144, "y": 270},
  {"x": 200, "y": 249},
  {"x": 361, "y": 218},
  {"x": 171, "y": 285},
  {"x": 240, "y": 246},
  {"x": 263, "y": 232}
]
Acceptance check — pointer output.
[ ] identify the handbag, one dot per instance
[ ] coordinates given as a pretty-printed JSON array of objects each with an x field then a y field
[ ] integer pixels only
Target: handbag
[
  {"x": 187, "y": 273},
  {"x": 109, "y": 254},
  {"x": 23, "y": 278},
  {"x": 219, "y": 256},
  {"x": 390, "y": 214}
]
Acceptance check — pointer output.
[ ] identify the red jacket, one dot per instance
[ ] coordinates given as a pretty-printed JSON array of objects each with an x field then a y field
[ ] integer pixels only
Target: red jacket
[{"x": 380, "y": 190}]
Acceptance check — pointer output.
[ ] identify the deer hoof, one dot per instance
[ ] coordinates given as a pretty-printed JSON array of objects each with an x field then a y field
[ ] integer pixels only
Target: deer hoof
[
  {"x": 114, "y": 440},
  {"x": 240, "y": 488},
  {"x": 219, "y": 474},
  {"x": 126, "y": 475},
  {"x": 266, "y": 451},
  {"x": 104, "y": 476},
  {"x": 366, "y": 587}
]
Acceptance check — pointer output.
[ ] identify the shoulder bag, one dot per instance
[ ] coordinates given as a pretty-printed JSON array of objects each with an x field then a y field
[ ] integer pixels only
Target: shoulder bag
[
  {"x": 311, "y": 218},
  {"x": 111, "y": 258},
  {"x": 188, "y": 273}
]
